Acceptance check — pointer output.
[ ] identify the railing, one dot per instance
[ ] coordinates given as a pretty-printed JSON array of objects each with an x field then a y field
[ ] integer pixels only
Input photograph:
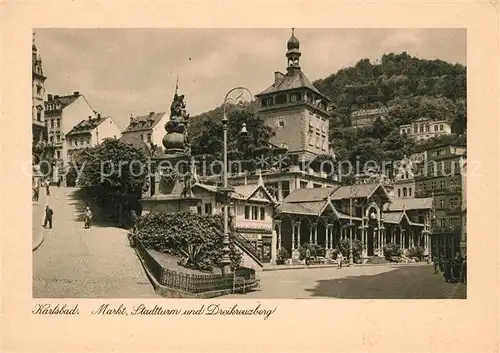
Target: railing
[
  {"x": 196, "y": 284},
  {"x": 247, "y": 246}
]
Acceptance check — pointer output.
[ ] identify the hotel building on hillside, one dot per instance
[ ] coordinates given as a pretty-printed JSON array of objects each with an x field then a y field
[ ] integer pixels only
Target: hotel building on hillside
[
  {"x": 366, "y": 117},
  {"x": 425, "y": 128}
]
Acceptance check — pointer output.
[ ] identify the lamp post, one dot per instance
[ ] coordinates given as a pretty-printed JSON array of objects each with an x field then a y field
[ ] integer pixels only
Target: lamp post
[
  {"x": 234, "y": 96},
  {"x": 352, "y": 193}
]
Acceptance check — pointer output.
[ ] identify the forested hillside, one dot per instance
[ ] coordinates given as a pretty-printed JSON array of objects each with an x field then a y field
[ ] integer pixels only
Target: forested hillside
[{"x": 412, "y": 88}]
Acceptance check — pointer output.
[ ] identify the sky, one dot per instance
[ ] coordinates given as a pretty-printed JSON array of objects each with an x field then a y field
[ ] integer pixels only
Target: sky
[{"x": 133, "y": 71}]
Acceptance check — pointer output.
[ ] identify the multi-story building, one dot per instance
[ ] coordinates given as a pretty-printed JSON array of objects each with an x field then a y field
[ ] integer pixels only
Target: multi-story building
[
  {"x": 148, "y": 128},
  {"x": 295, "y": 110},
  {"x": 38, "y": 127},
  {"x": 441, "y": 179},
  {"x": 404, "y": 176},
  {"x": 425, "y": 128},
  {"x": 463, "y": 238},
  {"x": 366, "y": 117},
  {"x": 62, "y": 113},
  {"x": 90, "y": 132}
]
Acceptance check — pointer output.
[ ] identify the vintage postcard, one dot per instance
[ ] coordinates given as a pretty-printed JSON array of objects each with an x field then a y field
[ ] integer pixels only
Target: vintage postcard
[{"x": 199, "y": 176}]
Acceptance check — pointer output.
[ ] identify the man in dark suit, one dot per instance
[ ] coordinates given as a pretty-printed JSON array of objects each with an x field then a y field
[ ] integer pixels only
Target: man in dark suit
[{"x": 48, "y": 217}]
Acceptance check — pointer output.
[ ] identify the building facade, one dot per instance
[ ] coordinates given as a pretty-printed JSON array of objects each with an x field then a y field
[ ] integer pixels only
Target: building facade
[
  {"x": 441, "y": 179},
  {"x": 425, "y": 128},
  {"x": 62, "y": 114},
  {"x": 38, "y": 126},
  {"x": 366, "y": 117},
  {"x": 295, "y": 110},
  {"x": 89, "y": 133},
  {"x": 148, "y": 128}
]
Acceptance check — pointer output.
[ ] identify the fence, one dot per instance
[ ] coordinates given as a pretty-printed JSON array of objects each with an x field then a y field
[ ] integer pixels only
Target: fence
[{"x": 192, "y": 283}]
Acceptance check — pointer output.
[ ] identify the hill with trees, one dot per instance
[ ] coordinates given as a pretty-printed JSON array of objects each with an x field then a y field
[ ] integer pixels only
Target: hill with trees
[{"x": 410, "y": 87}]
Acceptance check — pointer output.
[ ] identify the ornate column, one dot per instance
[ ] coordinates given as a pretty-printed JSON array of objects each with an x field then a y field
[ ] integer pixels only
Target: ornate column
[
  {"x": 294, "y": 227},
  {"x": 311, "y": 234},
  {"x": 383, "y": 240},
  {"x": 296, "y": 237},
  {"x": 315, "y": 234},
  {"x": 278, "y": 235},
  {"x": 364, "y": 235}
]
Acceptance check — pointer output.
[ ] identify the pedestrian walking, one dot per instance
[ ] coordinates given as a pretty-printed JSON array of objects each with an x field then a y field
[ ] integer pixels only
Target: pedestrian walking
[
  {"x": 87, "y": 218},
  {"x": 133, "y": 219},
  {"x": 447, "y": 270},
  {"x": 340, "y": 259},
  {"x": 48, "y": 217},
  {"x": 308, "y": 256}
]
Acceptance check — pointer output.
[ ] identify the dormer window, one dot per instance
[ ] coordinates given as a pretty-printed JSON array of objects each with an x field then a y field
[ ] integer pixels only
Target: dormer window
[{"x": 267, "y": 102}]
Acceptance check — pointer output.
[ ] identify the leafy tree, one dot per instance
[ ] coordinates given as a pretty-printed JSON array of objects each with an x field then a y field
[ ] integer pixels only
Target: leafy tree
[{"x": 114, "y": 173}]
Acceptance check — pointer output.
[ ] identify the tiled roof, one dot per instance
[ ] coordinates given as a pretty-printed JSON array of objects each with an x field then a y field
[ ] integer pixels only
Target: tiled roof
[
  {"x": 86, "y": 126},
  {"x": 135, "y": 142},
  {"x": 291, "y": 80},
  {"x": 409, "y": 204},
  {"x": 309, "y": 194},
  {"x": 362, "y": 190},
  {"x": 296, "y": 208},
  {"x": 144, "y": 122},
  {"x": 392, "y": 217},
  {"x": 241, "y": 192},
  {"x": 64, "y": 101}
]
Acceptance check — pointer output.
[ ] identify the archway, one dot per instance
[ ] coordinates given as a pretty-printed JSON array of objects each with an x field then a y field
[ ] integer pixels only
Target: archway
[{"x": 286, "y": 233}]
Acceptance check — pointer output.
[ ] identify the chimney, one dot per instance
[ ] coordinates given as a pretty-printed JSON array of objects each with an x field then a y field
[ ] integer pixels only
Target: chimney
[
  {"x": 131, "y": 118},
  {"x": 98, "y": 115},
  {"x": 56, "y": 97},
  {"x": 151, "y": 113},
  {"x": 49, "y": 97},
  {"x": 76, "y": 94},
  {"x": 90, "y": 118},
  {"x": 278, "y": 77}
]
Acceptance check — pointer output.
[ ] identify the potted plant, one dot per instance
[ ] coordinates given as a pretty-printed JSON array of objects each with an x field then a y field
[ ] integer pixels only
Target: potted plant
[{"x": 282, "y": 256}]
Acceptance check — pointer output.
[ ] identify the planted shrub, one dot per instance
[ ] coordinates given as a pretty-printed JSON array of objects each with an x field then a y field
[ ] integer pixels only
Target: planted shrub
[
  {"x": 282, "y": 256},
  {"x": 344, "y": 248},
  {"x": 392, "y": 250},
  {"x": 196, "y": 238},
  {"x": 314, "y": 250},
  {"x": 415, "y": 252}
]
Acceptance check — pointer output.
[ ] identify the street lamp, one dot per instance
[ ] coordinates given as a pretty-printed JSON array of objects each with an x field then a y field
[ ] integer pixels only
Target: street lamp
[
  {"x": 352, "y": 193},
  {"x": 235, "y": 96}
]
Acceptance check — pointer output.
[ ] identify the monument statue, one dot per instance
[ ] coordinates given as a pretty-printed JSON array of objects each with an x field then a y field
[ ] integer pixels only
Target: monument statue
[{"x": 176, "y": 139}]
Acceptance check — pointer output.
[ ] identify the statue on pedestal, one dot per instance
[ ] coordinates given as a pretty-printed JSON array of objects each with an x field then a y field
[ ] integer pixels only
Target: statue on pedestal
[{"x": 176, "y": 139}]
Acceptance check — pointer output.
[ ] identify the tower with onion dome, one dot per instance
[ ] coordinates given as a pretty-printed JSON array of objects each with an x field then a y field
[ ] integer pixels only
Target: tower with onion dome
[{"x": 295, "y": 110}]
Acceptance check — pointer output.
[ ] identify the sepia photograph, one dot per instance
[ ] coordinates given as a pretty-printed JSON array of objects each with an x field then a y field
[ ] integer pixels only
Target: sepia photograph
[{"x": 241, "y": 163}]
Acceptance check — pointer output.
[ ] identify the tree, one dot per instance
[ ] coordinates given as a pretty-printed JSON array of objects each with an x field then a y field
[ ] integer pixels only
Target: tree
[{"x": 114, "y": 173}]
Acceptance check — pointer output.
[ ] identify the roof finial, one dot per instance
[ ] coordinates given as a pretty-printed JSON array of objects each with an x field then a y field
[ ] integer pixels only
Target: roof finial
[
  {"x": 293, "y": 31},
  {"x": 260, "y": 182},
  {"x": 177, "y": 84}
]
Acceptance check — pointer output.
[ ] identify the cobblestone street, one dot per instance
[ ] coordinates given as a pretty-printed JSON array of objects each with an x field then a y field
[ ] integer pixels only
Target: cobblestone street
[{"x": 73, "y": 262}]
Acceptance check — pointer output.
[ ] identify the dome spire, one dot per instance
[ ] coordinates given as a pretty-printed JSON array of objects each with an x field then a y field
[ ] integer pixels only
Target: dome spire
[{"x": 293, "y": 52}]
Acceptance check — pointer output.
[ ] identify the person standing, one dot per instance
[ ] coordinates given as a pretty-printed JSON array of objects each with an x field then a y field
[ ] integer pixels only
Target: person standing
[
  {"x": 47, "y": 187},
  {"x": 87, "y": 218},
  {"x": 340, "y": 259},
  {"x": 435, "y": 264},
  {"x": 464, "y": 270},
  {"x": 308, "y": 256},
  {"x": 48, "y": 217}
]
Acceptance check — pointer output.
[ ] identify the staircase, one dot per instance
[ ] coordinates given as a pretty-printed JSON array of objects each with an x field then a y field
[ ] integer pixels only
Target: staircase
[{"x": 247, "y": 248}]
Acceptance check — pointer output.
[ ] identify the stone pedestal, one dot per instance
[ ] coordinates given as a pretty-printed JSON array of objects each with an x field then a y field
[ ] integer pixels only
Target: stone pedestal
[{"x": 295, "y": 254}]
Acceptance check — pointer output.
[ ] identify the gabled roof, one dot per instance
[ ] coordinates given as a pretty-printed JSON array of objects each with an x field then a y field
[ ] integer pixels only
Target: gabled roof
[
  {"x": 291, "y": 80},
  {"x": 64, "y": 101},
  {"x": 316, "y": 208},
  {"x": 409, "y": 204},
  {"x": 309, "y": 194},
  {"x": 362, "y": 190},
  {"x": 397, "y": 217},
  {"x": 144, "y": 122},
  {"x": 241, "y": 192},
  {"x": 135, "y": 142},
  {"x": 86, "y": 126}
]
